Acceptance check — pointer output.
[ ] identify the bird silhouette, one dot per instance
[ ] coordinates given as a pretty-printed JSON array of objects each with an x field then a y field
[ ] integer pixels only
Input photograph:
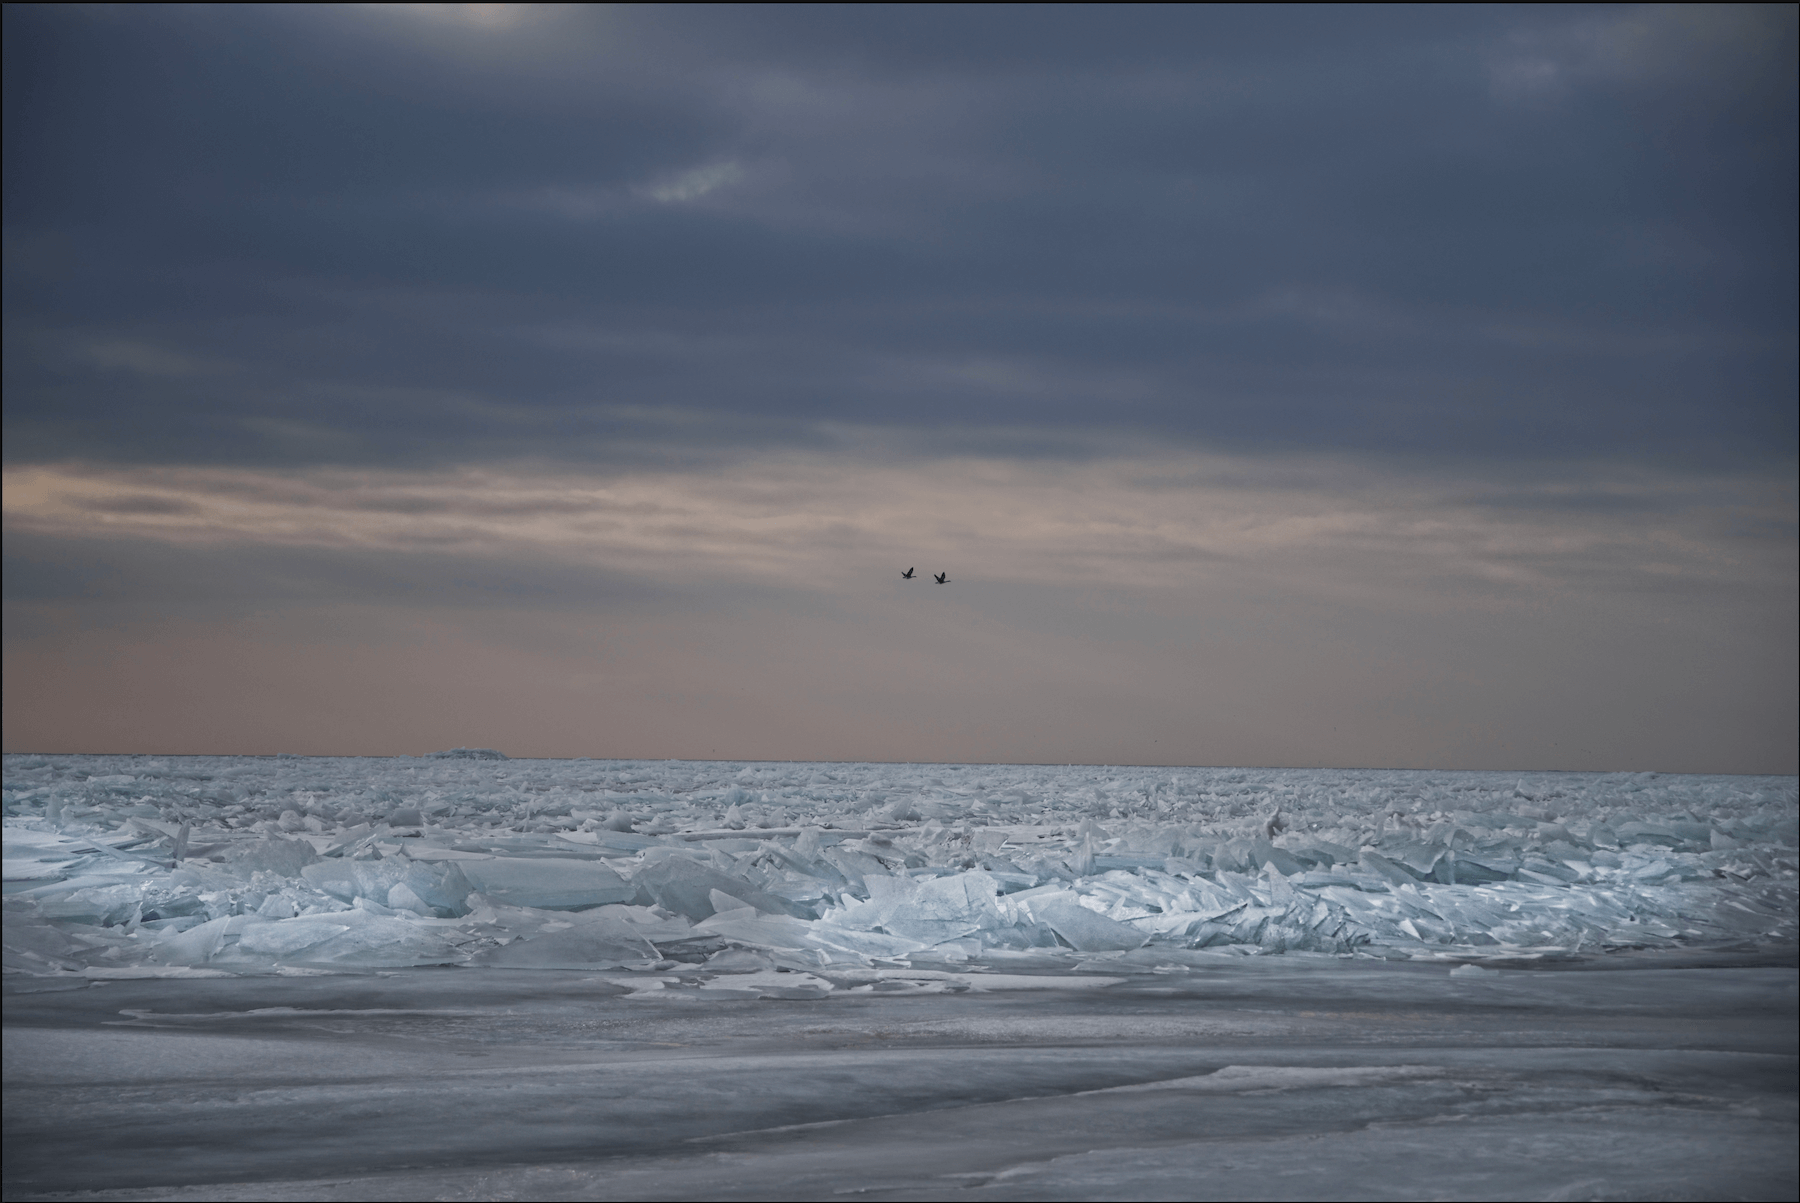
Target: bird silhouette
[
  {"x": 907, "y": 574},
  {"x": 942, "y": 578}
]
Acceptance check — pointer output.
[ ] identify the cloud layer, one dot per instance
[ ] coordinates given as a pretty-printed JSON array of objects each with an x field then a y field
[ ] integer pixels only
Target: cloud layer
[
  {"x": 358, "y": 236},
  {"x": 1433, "y": 367}
]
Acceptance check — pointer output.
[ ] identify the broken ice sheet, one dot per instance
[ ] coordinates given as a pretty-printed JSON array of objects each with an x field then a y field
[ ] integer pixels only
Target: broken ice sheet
[
  {"x": 610, "y": 944},
  {"x": 1081, "y": 928},
  {"x": 301, "y": 862},
  {"x": 761, "y": 984},
  {"x": 551, "y": 884}
]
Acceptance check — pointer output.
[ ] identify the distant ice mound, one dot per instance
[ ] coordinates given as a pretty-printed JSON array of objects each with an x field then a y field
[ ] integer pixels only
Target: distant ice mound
[{"x": 467, "y": 754}]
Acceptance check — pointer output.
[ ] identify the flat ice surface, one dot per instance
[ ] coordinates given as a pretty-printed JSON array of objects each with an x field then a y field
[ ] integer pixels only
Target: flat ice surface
[
  {"x": 1261, "y": 1078},
  {"x": 470, "y": 977}
]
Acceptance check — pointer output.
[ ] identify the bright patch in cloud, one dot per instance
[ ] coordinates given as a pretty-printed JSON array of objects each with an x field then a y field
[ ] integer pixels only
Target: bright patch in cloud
[{"x": 693, "y": 185}]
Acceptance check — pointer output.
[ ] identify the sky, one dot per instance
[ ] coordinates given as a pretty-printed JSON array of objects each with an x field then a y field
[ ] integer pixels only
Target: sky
[{"x": 1303, "y": 386}]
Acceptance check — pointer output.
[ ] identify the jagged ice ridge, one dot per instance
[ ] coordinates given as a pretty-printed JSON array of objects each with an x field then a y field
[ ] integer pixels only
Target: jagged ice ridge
[{"x": 796, "y": 879}]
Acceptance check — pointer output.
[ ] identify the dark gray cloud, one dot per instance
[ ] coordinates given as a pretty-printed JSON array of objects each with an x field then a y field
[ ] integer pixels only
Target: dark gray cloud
[{"x": 309, "y": 236}]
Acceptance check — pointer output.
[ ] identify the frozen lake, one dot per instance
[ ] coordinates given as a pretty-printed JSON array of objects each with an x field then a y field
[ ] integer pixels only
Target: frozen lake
[{"x": 458, "y": 977}]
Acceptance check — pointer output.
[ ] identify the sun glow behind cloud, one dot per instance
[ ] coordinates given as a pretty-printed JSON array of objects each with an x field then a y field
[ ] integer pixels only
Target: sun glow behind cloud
[{"x": 468, "y": 16}]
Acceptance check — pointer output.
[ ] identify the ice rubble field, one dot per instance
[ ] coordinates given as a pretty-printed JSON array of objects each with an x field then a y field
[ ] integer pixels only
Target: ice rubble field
[
  {"x": 454, "y": 977},
  {"x": 792, "y": 880}
]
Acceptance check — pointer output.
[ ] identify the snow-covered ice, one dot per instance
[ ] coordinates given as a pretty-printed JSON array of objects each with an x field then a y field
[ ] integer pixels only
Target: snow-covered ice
[{"x": 1064, "y": 939}]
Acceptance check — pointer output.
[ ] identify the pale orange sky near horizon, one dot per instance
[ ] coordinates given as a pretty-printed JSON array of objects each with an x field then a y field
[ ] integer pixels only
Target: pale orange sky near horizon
[{"x": 1152, "y": 608}]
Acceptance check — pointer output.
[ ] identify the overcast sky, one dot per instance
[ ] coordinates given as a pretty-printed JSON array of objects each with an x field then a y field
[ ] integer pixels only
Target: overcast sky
[{"x": 1277, "y": 386}]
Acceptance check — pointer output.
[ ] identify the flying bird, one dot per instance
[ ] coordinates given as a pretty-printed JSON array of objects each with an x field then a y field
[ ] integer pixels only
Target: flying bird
[
  {"x": 942, "y": 578},
  {"x": 907, "y": 575}
]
